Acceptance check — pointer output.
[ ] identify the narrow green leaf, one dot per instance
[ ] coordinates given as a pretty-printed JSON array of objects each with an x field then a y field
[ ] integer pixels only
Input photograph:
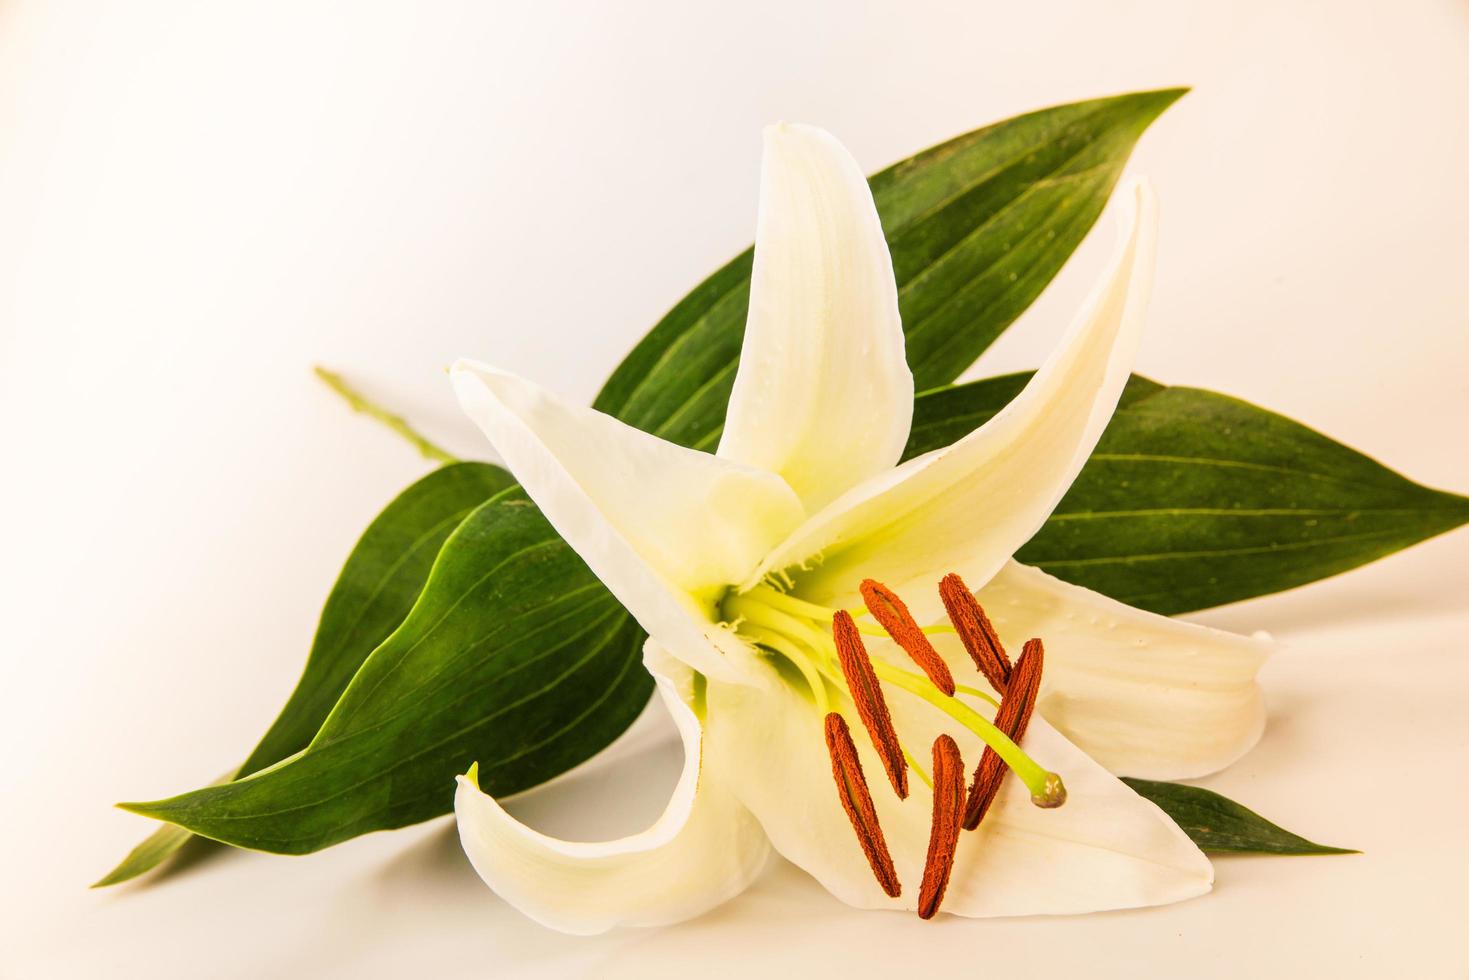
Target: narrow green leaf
[
  {"x": 152, "y": 851},
  {"x": 1216, "y": 823},
  {"x": 1194, "y": 499},
  {"x": 514, "y": 656},
  {"x": 382, "y": 577},
  {"x": 977, "y": 227}
]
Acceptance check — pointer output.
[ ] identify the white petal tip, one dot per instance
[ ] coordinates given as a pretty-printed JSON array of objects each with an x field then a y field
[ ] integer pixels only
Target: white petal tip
[
  {"x": 782, "y": 129},
  {"x": 789, "y": 137}
]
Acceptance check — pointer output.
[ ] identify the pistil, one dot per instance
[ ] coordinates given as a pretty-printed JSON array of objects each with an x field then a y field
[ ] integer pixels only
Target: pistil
[{"x": 1013, "y": 717}]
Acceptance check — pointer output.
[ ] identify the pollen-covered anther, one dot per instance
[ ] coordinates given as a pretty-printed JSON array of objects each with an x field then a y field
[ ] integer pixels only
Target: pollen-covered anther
[
  {"x": 976, "y": 631},
  {"x": 948, "y": 814},
  {"x": 866, "y": 693},
  {"x": 846, "y": 770},
  {"x": 1011, "y": 718},
  {"x": 892, "y": 614}
]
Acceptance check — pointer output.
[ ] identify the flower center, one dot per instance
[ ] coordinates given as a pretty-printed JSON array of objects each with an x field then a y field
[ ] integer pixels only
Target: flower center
[{"x": 834, "y": 656}]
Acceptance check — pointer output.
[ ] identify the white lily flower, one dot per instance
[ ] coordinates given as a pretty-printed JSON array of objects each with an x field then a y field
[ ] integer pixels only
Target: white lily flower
[{"x": 736, "y": 563}]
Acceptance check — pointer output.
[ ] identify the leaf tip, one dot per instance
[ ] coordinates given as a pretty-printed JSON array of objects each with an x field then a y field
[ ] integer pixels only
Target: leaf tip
[
  {"x": 1458, "y": 503},
  {"x": 126, "y": 871},
  {"x": 1159, "y": 99},
  {"x": 151, "y": 809}
]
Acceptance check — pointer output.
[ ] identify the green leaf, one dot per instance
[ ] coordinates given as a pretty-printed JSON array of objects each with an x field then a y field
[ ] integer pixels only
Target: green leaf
[
  {"x": 154, "y": 849},
  {"x": 1194, "y": 499},
  {"x": 379, "y": 583},
  {"x": 1216, "y": 823},
  {"x": 977, "y": 227},
  {"x": 514, "y": 656}
]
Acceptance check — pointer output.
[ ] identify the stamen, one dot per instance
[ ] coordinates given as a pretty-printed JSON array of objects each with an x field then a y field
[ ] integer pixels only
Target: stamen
[
  {"x": 943, "y": 838},
  {"x": 846, "y": 770},
  {"x": 890, "y": 611},
  {"x": 871, "y": 705},
  {"x": 1012, "y": 719},
  {"x": 976, "y": 630},
  {"x": 1036, "y": 778}
]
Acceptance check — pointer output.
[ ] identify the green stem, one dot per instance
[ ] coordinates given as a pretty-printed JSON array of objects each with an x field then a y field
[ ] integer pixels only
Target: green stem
[{"x": 360, "y": 403}]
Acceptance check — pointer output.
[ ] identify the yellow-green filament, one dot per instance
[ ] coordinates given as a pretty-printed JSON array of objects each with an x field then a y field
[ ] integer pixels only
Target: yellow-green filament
[
  {"x": 977, "y": 693},
  {"x": 913, "y": 764},
  {"x": 783, "y": 646},
  {"x": 761, "y": 619}
]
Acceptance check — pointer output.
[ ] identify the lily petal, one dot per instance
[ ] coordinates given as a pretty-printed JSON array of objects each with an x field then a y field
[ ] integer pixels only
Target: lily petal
[
  {"x": 1142, "y": 694},
  {"x": 968, "y": 507},
  {"x": 654, "y": 521},
  {"x": 823, "y": 396},
  {"x": 704, "y": 849},
  {"x": 1107, "y": 848},
  {"x": 768, "y": 742}
]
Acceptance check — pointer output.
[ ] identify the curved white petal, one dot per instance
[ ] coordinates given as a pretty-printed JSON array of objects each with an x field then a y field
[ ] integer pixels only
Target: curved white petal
[
  {"x": 1142, "y": 694},
  {"x": 768, "y": 742},
  {"x": 704, "y": 849},
  {"x": 1107, "y": 848},
  {"x": 823, "y": 396},
  {"x": 654, "y": 521},
  {"x": 967, "y": 508}
]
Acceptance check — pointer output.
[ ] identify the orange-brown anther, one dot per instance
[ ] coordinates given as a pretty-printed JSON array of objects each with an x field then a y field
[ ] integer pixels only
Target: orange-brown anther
[
  {"x": 871, "y": 706},
  {"x": 846, "y": 770},
  {"x": 892, "y": 613},
  {"x": 975, "y": 629},
  {"x": 1011, "y": 718},
  {"x": 948, "y": 812}
]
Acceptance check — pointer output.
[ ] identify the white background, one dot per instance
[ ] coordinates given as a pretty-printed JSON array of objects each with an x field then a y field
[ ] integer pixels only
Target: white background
[{"x": 200, "y": 200}]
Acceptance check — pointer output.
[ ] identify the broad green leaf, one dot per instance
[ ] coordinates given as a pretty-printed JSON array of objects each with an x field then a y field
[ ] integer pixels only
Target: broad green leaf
[
  {"x": 1194, "y": 499},
  {"x": 1216, "y": 823},
  {"x": 977, "y": 227},
  {"x": 514, "y": 656},
  {"x": 377, "y": 586}
]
